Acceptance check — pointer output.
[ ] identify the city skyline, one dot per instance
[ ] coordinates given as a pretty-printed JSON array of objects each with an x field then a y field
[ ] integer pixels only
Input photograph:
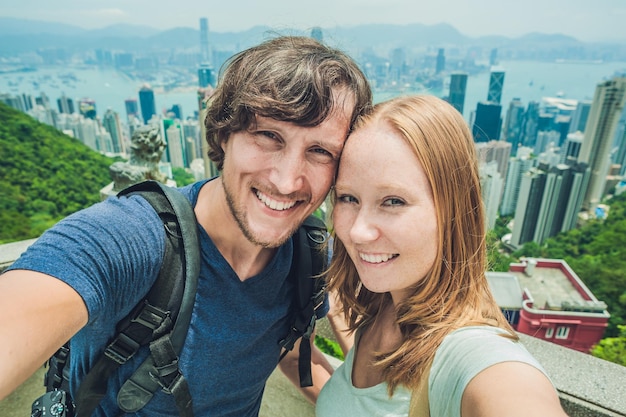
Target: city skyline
[{"x": 601, "y": 20}]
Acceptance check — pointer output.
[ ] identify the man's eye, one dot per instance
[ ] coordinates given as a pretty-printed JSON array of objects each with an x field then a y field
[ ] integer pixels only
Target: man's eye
[
  {"x": 322, "y": 155},
  {"x": 322, "y": 151},
  {"x": 270, "y": 135},
  {"x": 268, "y": 140}
]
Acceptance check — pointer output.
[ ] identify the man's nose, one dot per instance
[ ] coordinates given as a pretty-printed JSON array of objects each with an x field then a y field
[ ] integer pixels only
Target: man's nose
[{"x": 288, "y": 174}]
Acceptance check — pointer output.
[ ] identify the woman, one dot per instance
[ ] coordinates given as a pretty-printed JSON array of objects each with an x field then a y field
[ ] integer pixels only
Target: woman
[{"x": 409, "y": 269}]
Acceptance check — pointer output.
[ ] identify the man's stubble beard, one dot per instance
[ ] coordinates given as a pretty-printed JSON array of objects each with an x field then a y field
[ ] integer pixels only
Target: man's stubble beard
[{"x": 240, "y": 216}]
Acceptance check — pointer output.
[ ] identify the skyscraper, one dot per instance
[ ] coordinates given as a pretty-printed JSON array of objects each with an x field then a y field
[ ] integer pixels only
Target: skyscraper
[
  {"x": 43, "y": 100},
  {"x": 579, "y": 117},
  {"x": 132, "y": 109},
  {"x": 191, "y": 132},
  {"x": 493, "y": 57},
  {"x": 487, "y": 122},
  {"x": 528, "y": 206},
  {"x": 206, "y": 76},
  {"x": 530, "y": 124},
  {"x": 496, "y": 83},
  {"x": 65, "y": 104},
  {"x": 620, "y": 143},
  {"x": 571, "y": 147},
  {"x": 517, "y": 167},
  {"x": 606, "y": 107},
  {"x": 513, "y": 123},
  {"x": 175, "y": 151},
  {"x": 545, "y": 139},
  {"x": 13, "y": 101},
  {"x": 398, "y": 64},
  {"x": 549, "y": 200},
  {"x": 204, "y": 40},
  {"x": 28, "y": 100},
  {"x": 494, "y": 150},
  {"x": 458, "y": 86},
  {"x": 147, "y": 103},
  {"x": 441, "y": 61},
  {"x": 111, "y": 122},
  {"x": 491, "y": 185}
]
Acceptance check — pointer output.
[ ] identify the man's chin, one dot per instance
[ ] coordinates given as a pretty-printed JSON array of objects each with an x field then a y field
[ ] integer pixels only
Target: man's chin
[{"x": 270, "y": 237}]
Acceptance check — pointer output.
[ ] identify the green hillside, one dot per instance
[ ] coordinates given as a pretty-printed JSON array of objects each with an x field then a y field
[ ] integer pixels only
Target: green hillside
[{"x": 44, "y": 175}]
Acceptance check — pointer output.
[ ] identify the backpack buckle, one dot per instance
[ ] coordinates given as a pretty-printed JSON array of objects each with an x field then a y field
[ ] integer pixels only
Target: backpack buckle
[
  {"x": 310, "y": 328},
  {"x": 150, "y": 316},
  {"x": 122, "y": 349},
  {"x": 288, "y": 341},
  {"x": 169, "y": 372}
]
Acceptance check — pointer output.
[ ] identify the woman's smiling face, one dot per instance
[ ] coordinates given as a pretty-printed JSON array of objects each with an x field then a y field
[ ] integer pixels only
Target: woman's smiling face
[{"x": 384, "y": 211}]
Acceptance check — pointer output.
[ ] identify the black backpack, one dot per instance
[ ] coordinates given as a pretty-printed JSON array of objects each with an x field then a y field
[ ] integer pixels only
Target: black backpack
[{"x": 162, "y": 318}]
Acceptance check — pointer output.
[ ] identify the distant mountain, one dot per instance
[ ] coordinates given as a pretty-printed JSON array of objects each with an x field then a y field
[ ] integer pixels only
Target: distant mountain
[
  {"x": 19, "y": 36},
  {"x": 123, "y": 31},
  {"x": 543, "y": 37},
  {"x": 18, "y": 27},
  {"x": 393, "y": 36}
]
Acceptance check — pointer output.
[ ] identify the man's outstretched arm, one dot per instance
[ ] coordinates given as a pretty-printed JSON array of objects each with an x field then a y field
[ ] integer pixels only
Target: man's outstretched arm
[{"x": 38, "y": 314}]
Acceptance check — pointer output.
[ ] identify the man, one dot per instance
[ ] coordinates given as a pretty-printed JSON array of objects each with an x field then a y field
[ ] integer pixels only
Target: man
[{"x": 276, "y": 125}]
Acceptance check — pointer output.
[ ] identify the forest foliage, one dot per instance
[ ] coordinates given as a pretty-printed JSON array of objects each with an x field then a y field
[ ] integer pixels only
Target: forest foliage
[{"x": 45, "y": 175}]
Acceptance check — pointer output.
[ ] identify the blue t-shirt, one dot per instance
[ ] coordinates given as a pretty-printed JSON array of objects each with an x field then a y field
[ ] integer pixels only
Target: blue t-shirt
[{"x": 111, "y": 254}]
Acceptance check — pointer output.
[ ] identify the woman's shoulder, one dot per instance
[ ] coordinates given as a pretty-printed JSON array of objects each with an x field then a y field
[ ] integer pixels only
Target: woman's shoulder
[
  {"x": 487, "y": 342},
  {"x": 462, "y": 355},
  {"x": 467, "y": 351}
]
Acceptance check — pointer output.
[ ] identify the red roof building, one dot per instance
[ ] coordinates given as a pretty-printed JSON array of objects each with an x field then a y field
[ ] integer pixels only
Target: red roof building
[{"x": 544, "y": 298}]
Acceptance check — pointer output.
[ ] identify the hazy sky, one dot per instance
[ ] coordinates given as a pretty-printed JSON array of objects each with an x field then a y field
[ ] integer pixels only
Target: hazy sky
[{"x": 587, "y": 20}]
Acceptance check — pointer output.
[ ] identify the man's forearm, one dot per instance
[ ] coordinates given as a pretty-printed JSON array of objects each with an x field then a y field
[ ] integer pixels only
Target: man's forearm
[{"x": 321, "y": 370}]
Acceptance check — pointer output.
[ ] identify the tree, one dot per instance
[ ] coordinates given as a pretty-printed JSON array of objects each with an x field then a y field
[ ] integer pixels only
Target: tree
[
  {"x": 182, "y": 177},
  {"x": 612, "y": 349}
]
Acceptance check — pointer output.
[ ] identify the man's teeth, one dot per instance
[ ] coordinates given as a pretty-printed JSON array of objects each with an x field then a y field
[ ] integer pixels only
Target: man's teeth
[
  {"x": 274, "y": 204},
  {"x": 376, "y": 259}
]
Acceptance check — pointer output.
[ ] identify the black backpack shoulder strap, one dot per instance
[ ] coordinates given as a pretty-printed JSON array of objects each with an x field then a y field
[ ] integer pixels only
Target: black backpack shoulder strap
[
  {"x": 162, "y": 318},
  {"x": 310, "y": 260}
]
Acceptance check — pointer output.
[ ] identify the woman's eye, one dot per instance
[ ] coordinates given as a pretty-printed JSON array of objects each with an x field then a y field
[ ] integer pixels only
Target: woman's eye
[
  {"x": 345, "y": 198},
  {"x": 394, "y": 202}
]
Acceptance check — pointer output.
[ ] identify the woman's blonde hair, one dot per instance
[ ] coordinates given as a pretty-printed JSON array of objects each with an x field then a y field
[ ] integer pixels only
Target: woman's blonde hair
[{"x": 455, "y": 292}]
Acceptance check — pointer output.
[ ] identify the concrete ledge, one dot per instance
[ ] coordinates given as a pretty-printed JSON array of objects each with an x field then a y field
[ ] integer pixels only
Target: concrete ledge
[
  {"x": 588, "y": 386},
  {"x": 9, "y": 252},
  {"x": 283, "y": 399}
]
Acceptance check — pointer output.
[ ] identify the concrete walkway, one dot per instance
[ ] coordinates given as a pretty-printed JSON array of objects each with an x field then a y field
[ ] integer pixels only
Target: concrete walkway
[
  {"x": 281, "y": 399},
  {"x": 18, "y": 404}
]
